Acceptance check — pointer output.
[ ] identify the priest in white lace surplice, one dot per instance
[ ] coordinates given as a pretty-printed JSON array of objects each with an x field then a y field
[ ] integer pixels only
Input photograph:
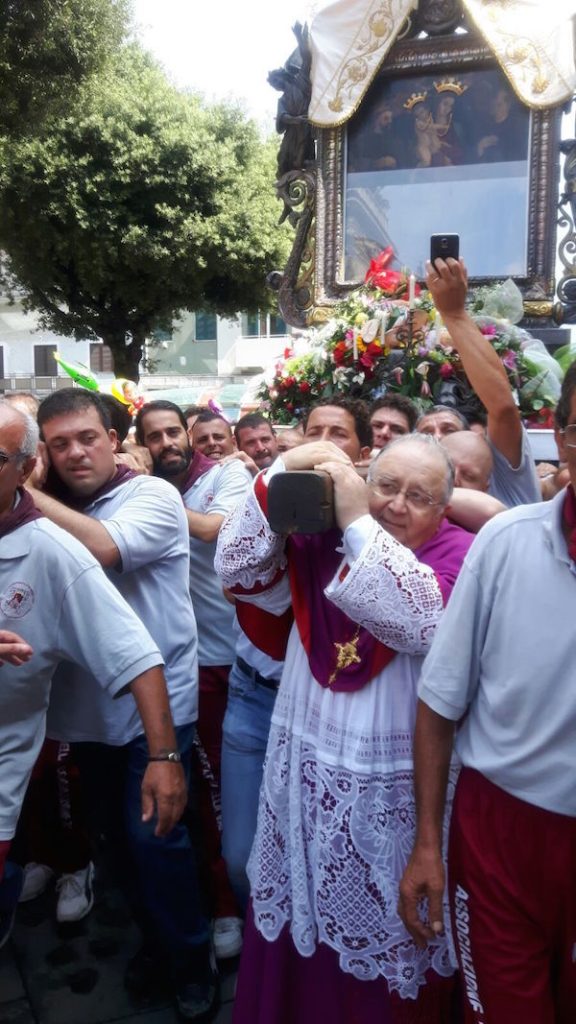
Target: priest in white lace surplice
[{"x": 336, "y": 817}]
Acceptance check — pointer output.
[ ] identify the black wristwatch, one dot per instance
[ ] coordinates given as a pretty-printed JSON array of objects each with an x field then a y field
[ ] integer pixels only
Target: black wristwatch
[{"x": 170, "y": 755}]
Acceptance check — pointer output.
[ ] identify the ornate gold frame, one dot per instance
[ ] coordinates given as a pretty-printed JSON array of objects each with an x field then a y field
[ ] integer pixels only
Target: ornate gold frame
[{"x": 306, "y": 295}]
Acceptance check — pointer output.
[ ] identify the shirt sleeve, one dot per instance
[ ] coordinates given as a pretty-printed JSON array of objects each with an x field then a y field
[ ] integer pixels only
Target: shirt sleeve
[
  {"x": 231, "y": 487},
  {"x": 383, "y": 586},
  {"x": 451, "y": 672},
  {"x": 148, "y": 525},
  {"x": 99, "y": 631}
]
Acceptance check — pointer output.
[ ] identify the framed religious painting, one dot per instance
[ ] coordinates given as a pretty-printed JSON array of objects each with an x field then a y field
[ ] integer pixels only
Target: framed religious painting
[{"x": 439, "y": 144}]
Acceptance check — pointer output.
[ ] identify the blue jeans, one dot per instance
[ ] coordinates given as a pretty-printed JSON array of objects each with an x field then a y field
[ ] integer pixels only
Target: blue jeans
[
  {"x": 244, "y": 740},
  {"x": 159, "y": 876}
]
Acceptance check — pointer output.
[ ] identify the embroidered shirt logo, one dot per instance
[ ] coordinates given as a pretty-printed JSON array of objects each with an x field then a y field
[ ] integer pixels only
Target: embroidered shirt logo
[{"x": 17, "y": 600}]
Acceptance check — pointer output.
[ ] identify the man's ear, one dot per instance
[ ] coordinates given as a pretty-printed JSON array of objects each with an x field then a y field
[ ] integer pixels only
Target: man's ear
[
  {"x": 365, "y": 452},
  {"x": 113, "y": 435},
  {"x": 28, "y": 466}
]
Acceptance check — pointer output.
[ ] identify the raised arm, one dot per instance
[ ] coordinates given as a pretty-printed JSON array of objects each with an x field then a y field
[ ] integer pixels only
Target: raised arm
[{"x": 448, "y": 283}]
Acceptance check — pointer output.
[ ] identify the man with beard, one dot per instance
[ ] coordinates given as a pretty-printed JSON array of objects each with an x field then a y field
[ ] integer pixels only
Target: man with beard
[
  {"x": 209, "y": 491},
  {"x": 255, "y": 436}
]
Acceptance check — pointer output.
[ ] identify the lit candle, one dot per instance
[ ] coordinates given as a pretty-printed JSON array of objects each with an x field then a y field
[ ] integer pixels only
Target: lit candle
[
  {"x": 383, "y": 323},
  {"x": 355, "y": 345},
  {"x": 411, "y": 291},
  {"x": 437, "y": 324}
]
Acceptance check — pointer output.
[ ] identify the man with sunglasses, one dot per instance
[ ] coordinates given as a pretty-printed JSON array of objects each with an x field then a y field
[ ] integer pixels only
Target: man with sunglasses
[
  {"x": 493, "y": 676},
  {"x": 55, "y": 604}
]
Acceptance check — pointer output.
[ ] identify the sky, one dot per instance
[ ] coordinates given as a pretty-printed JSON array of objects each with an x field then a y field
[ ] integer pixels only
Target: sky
[{"x": 224, "y": 49}]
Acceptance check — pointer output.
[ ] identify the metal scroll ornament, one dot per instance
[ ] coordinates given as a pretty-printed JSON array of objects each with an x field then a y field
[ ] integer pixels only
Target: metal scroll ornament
[
  {"x": 566, "y": 289},
  {"x": 297, "y": 190}
]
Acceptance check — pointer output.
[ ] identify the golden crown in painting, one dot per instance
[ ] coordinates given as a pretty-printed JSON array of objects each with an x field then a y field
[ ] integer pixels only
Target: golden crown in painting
[
  {"x": 416, "y": 97},
  {"x": 450, "y": 85}
]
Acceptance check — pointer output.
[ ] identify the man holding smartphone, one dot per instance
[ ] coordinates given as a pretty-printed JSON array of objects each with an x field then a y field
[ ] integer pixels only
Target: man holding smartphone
[{"x": 514, "y": 479}]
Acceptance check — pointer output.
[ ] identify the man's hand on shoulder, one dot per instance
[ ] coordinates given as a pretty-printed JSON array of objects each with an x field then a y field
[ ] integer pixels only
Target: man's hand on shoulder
[{"x": 244, "y": 459}]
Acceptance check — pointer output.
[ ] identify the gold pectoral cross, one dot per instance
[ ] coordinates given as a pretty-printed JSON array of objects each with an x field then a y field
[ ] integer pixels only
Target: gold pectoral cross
[{"x": 346, "y": 654}]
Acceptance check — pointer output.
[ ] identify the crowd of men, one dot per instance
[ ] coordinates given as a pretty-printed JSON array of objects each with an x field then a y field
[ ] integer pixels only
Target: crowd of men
[{"x": 232, "y": 710}]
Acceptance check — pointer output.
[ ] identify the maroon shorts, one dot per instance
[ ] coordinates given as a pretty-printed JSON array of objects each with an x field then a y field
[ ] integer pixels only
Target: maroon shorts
[{"x": 512, "y": 881}]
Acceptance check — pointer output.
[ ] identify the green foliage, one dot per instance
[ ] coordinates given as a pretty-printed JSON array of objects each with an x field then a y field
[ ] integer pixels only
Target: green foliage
[
  {"x": 47, "y": 48},
  {"x": 142, "y": 202}
]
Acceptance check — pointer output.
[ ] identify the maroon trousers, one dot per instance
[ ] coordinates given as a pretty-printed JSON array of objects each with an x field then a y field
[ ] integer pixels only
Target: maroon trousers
[{"x": 512, "y": 880}]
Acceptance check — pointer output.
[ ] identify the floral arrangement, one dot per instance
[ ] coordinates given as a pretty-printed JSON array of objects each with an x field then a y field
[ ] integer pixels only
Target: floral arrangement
[{"x": 387, "y": 336}]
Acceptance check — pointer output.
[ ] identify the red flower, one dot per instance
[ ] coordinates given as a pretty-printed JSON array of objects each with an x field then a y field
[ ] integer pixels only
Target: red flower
[
  {"x": 379, "y": 265},
  {"x": 304, "y": 386},
  {"x": 446, "y": 370},
  {"x": 339, "y": 353}
]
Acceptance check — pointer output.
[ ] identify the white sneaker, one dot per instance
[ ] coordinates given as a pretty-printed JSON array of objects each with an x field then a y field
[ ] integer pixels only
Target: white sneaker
[
  {"x": 37, "y": 878},
  {"x": 227, "y": 937},
  {"x": 75, "y": 895}
]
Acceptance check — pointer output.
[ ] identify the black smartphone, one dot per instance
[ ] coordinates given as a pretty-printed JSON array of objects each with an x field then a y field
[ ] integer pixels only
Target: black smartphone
[{"x": 443, "y": 246}]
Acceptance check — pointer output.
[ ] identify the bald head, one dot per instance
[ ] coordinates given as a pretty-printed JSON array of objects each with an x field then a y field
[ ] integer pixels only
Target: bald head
[
  {"x": 14, "y": 418},
  {"x": 18, "y": 443},
  {"x": 472, "y": 459}
]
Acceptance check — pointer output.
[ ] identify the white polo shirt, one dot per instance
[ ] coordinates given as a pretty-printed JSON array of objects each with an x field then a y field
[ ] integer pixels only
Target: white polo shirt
[
  {"x": 54, "y": 594},
  {"x": 216, "y": 492},
  {"x": 504, "y": 656},
  {"x": 147, "y": 522}
]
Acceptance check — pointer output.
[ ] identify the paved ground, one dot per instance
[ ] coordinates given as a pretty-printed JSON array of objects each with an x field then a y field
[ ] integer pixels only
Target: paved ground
[{"x": 72, "y": 974}]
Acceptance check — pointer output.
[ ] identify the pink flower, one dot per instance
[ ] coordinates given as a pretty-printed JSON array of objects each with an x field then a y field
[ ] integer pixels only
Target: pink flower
[
  {"x": 510, "y": 359},
  {"x": 425, "y": 389},
  {"x": 446, "y": 370},
  {"x": 489, "y": 330}
]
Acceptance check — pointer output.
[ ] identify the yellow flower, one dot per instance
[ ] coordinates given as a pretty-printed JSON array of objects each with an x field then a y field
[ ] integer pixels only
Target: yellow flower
[{"x": 360, "y": 319}]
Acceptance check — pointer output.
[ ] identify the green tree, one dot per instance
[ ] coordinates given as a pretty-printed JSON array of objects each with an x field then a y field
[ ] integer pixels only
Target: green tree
[
  {"x": 141, "y": 203},
  {"x": 47, "y": 48}
]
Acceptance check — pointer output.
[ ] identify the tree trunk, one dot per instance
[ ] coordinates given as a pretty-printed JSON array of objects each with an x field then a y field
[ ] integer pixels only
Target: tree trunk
[{"x": 126, "y": 357}]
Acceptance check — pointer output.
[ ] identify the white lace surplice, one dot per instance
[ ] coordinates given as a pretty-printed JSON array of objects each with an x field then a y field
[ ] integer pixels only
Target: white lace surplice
[{"x": 336, "y": 816}]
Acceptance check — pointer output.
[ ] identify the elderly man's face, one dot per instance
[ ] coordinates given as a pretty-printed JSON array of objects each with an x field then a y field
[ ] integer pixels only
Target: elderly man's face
[
  {"x": 408, "y": 493},
  {"x": 14, "y": 472}
]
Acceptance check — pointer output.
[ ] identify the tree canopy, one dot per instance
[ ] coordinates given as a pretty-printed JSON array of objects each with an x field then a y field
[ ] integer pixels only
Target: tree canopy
[
  {"x": 141, "y": 202},
  {"x": 47, "y": 48}
]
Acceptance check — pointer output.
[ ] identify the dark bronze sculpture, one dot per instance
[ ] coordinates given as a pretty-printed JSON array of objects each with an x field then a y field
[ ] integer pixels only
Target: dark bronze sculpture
[{"x": 293, "y": 81}]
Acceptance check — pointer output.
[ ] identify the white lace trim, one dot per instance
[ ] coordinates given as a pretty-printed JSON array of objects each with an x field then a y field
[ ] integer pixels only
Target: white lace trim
[
  {"x": 393, "y": 595},
  {"x": 369, "y": 730},
  {"x": 248, "y": 552},
  {"x": 330, "y": 849}
]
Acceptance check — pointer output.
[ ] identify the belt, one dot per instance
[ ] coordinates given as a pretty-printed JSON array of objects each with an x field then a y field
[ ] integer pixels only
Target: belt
[{"x": 270, "y": 684}]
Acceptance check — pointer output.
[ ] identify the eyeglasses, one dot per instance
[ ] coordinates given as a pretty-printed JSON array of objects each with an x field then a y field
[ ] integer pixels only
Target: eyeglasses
[
  {"x": 389, "y": 489},
  {"x": 5, "y": 459},
  {"x": 569, "y": 434}
]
